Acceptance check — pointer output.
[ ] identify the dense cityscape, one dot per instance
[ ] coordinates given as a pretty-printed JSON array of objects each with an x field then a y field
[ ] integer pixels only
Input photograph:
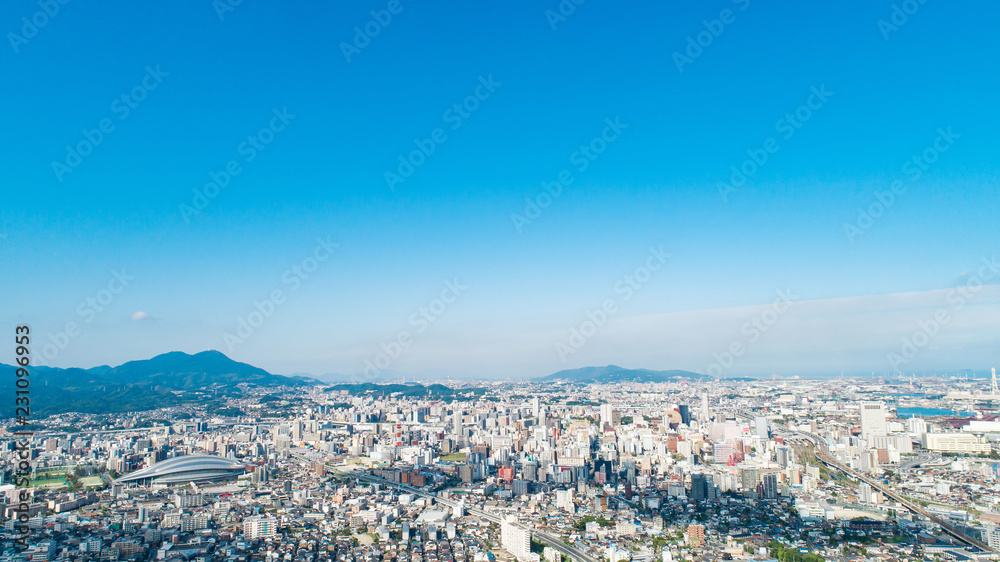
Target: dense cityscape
[{"x": 881, "y": 468}]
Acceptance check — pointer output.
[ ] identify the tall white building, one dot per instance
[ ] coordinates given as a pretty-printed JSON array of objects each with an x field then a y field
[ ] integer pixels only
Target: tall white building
[
  {"x": 516, "y": 540},
  {"x": 607, "y": 414},
  {"x": 992, "y": 536},
  {"x": 761, "y": 427},
  {"x": 873, "y": 419},
  {"x": 916, "y": 426},
  {"x": 564, "y": 500}
]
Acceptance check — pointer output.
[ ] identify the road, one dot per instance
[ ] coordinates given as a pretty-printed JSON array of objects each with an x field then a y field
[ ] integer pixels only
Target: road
[
  {"x": 925, "y": 459},
  {"x": 543, "y": 537},
  {"x": 824, "y": 456}
]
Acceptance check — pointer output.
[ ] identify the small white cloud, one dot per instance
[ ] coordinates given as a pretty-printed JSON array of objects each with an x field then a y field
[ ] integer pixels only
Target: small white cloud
[{"x": 140, "y": 316}]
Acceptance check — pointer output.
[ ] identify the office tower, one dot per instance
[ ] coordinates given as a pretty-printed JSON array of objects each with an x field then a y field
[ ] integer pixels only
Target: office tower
[
  {"x": 699, "y": 487},
  {"x": 872, "y": 419},
  {"x": 536, "y": 407},
  {"x": 685, "y": 412},
  {"x": 607, "y": 414},
  {"x": 749, "y": 477},
  {"x": 530, "y": 470},
  {"x": 519, "y": 487},
  {"x": 704, "y": 407},
  {"x": 761, "y": 427},
  {"x": 770, "y": 486},
  {"x": 782, "y": 456},
  {"x": 457, "y": 422}
]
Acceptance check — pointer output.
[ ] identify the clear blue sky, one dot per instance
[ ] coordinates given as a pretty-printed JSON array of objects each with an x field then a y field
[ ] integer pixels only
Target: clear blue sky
[{"x": 657, "y": 184}]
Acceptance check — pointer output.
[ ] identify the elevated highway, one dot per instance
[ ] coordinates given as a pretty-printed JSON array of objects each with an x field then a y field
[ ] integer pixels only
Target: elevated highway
[{"x": 823, "y": 455}]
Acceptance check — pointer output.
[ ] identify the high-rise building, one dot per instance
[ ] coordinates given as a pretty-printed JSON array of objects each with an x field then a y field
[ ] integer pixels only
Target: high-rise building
[
  {"x": 564, "y": 500},
  {"x": 865, "y": 493},
  {"x": 530, "y": 470},
  {"x": 536, "y": 407},
  {"x": 873, "y": 419},
  {"x": 467, "y": 473},
  {"x": 783, "y": 456},
  {"x": 770, "y": 482},
  {"x": 705, "y": 414},
  {"x": 761, "y": 427},
  {"x": 699, "y": 487},
  {"x": 991, "y": 536},
  {"x": 749, "y": 477},
  {"x": 519, "y": 487},
  {"x": 609, "y": 415},
  {"x": 685, "y": 412},
  {"x": 516, "y": 540},
  {"x": 916, "y": 426}
]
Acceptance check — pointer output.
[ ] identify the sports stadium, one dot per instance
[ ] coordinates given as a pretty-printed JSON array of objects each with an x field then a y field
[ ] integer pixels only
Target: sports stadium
[{"x": 184, "y": 470}]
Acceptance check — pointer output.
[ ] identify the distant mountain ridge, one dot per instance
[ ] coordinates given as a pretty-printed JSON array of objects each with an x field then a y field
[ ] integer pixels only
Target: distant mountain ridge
[
  {"x": 614, "y": 373},
  {"x": 133, "y": 386}
]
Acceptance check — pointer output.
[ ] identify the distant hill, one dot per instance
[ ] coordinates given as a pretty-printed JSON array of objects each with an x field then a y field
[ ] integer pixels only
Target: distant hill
[
  {"x": 179, "y": 371},
  {"x": 614, "y": 373},
  {"x": 133, "y": 386}
]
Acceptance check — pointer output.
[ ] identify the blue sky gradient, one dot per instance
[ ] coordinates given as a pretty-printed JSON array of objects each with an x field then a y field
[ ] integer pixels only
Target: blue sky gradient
[{"x": 220, "y": 81}]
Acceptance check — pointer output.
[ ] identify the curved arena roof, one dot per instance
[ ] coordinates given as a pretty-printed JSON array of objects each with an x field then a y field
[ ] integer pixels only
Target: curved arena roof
[{"x": 181, "y": 470}]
